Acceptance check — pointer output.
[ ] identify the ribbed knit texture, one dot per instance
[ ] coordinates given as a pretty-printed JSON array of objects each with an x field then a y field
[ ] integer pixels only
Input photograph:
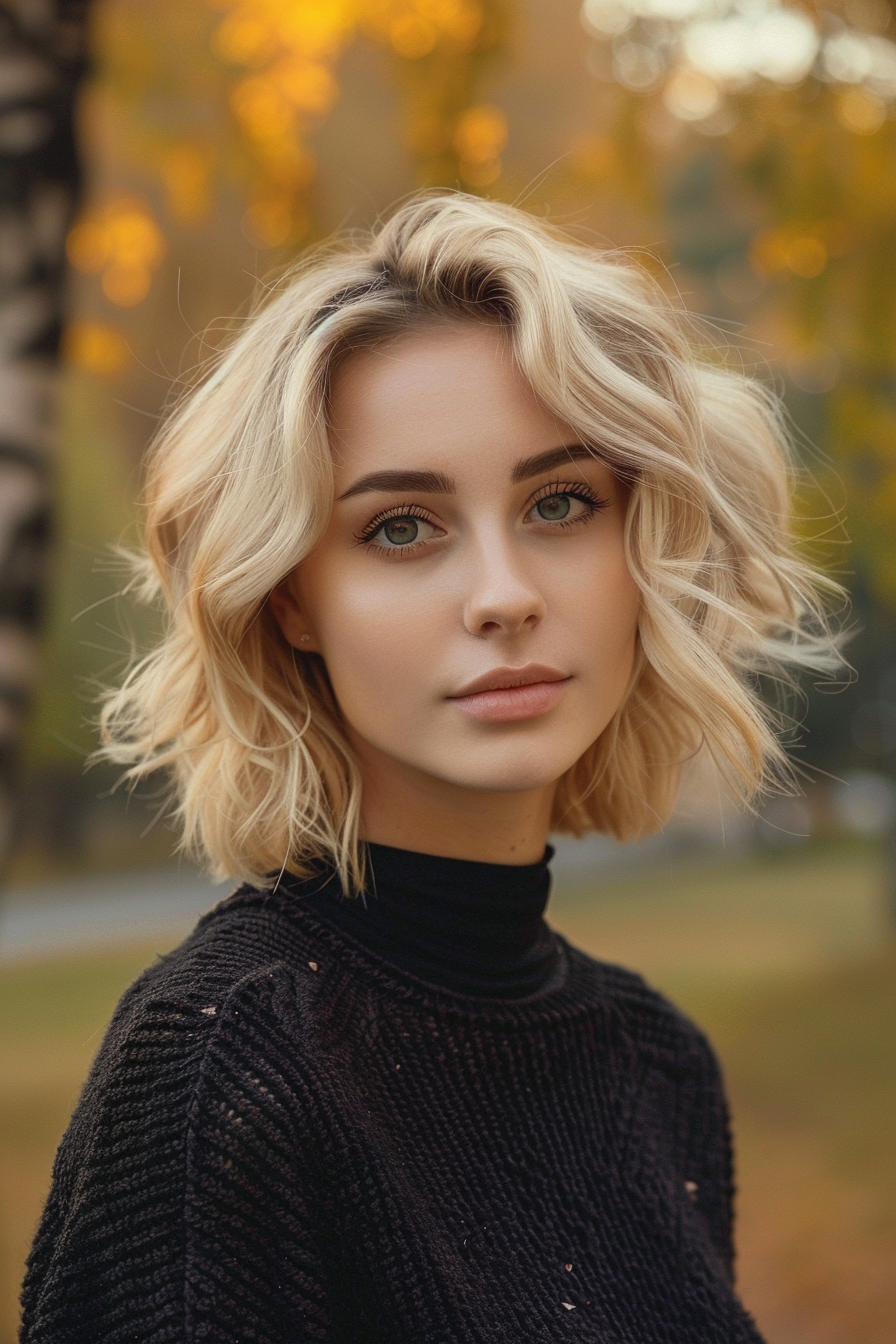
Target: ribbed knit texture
[
  {"x": 286, "y": 1137},
  {"x": 477, "y": 928}
]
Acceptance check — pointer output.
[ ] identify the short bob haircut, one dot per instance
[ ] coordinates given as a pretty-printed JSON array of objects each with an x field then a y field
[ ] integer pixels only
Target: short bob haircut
[{"x": 239, "y": 490}]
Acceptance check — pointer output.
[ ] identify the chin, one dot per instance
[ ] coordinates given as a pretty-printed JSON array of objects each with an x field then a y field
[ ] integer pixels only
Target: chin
[{"x": 498, "y": 777}]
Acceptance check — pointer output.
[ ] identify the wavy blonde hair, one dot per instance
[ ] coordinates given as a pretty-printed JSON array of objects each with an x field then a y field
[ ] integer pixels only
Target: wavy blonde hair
[{"x": 239, "y": 489}]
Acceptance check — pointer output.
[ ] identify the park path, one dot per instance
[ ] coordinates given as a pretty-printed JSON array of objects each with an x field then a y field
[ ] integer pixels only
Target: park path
[{"x": 105, "y": 909}]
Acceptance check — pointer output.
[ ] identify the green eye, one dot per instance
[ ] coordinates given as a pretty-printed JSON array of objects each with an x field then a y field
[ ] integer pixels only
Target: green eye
[
  {"x": 400, "y": 531},
  {"x": 553, "y": 507}
]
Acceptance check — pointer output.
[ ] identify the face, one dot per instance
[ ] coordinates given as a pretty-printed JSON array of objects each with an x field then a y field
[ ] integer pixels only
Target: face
[{"x": 470, "y": 598}]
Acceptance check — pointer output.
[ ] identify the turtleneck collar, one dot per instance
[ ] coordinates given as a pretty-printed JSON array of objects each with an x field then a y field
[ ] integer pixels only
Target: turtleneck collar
[{"x": 476, "y": 928}]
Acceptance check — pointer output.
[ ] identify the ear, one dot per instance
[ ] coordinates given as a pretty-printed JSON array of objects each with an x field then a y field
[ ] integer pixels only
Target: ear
[{"x": 291, "y": 619}]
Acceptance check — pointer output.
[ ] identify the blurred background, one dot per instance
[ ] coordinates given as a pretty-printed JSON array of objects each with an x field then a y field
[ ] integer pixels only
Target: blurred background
[{"x": 157, "y": 163}]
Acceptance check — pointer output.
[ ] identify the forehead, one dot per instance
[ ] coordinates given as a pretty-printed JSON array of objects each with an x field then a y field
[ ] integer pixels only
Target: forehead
[{"x": 443, "y": 393}]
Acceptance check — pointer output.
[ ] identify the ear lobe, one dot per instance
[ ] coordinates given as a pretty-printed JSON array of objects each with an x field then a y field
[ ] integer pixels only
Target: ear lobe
[{"x": 290, "y": 618}]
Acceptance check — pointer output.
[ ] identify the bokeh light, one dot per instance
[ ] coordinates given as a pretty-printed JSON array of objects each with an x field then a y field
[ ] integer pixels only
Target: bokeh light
[
  {"x": 701, "y": 50},
  {"x": 95, "y": 347},
  {"x": 122, "y": 243},
  {"x": 479, "y": 138}
]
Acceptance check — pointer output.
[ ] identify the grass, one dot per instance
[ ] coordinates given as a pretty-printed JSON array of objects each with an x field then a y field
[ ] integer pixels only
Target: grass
[
  {"x": 787, "y": 962},
  {"x": 811, "y": 1067}
]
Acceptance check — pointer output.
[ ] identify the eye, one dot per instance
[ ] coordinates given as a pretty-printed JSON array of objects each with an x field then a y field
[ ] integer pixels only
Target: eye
[
  {"x": 400, "y": 530},
  {"x": 554, "y": 507},
  {"x": 565, "y": 505}
]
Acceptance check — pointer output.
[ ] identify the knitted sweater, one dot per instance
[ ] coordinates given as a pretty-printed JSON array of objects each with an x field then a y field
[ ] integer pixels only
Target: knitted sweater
[{"x": 288, "y": 1135}]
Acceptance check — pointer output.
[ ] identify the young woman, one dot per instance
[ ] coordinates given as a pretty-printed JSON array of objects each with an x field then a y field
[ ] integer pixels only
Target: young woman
[{"x": 460, "y": 543}]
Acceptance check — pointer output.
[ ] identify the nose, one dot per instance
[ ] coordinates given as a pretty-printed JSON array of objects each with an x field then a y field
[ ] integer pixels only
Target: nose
[{"x": 502, "y": 597}]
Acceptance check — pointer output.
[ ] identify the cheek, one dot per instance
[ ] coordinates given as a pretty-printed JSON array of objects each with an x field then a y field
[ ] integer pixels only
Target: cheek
[
  {"x": 604, "y": 598},
  {"x": 375, "y": 647},
  {"x": 612, "y": 634}
]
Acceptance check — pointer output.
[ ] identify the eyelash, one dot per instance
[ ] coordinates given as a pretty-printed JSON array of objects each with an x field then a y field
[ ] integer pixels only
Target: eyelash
[
  {"x": 367, "y": 533},
  {"x": 596, "y": 503},
  {"x": 579, "y": 491}
]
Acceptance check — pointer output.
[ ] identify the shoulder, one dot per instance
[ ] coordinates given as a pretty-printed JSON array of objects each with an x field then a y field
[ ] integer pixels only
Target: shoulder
[
  {"x": 232, "y": 987},
  {"x": 217, "y": 1017},
  {"x": 199, "y": 1086},
  {"x": 654, "y": 1025}
]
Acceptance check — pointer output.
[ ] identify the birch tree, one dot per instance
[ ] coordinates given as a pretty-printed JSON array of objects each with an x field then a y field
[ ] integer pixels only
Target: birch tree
[{"x": 42, "y": 44}]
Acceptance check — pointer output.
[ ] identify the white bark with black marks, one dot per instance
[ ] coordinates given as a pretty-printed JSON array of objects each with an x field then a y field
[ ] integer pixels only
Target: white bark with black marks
[{"x": 42, "y": 45}]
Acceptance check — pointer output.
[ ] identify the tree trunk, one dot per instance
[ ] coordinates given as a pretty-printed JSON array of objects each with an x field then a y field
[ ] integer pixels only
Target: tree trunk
[{"x": 42, "y": 59}]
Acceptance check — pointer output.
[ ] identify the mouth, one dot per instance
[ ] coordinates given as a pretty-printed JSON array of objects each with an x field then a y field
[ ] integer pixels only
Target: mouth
[
  {"x": 510, "y": 679},
  {"x": 509, "y": 694}
]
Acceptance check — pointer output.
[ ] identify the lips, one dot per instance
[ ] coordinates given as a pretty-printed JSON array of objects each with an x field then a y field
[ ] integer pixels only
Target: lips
[
  {"x": 508, "y": 694},
  {"x": 509, "y": 678}
]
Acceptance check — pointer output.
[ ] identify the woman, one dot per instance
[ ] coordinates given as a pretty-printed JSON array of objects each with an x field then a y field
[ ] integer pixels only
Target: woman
[{"x": 460, "y": 543}]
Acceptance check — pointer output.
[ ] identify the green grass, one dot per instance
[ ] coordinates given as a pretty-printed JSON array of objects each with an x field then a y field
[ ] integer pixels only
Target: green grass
[
  {"x": 787, "y": 962},
  {"x": 747, "y": 918}
]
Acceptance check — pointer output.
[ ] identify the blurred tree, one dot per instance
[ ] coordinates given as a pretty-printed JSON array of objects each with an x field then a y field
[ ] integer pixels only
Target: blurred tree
[
  {"x": 766, "y": 136},
  {"x": 41, "y": 61},
  {"x": 287, "y": 57},
  {"x": 236, "y": 103}
]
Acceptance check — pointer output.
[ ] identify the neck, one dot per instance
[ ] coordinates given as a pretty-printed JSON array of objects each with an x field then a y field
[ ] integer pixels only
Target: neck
[{"x": 409, "y": 810}]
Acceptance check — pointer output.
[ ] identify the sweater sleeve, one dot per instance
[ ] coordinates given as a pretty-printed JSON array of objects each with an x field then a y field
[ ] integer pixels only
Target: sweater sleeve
[
  {"x": 686, "y": 1104},
  {"x": 183, "y": 1202},
  {"x": 706, "y": 1143}
]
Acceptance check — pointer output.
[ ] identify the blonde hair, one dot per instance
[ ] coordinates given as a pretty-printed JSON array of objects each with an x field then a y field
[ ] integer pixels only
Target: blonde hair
[{"x": 239, "y": 490}]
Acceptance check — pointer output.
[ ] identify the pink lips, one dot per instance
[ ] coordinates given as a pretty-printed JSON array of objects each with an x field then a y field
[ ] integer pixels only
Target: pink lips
[{"x": 508, "y": 694}]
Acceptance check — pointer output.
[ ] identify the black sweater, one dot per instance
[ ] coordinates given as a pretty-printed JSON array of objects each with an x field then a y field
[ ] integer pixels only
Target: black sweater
[{"x": 427, "y": 1120}]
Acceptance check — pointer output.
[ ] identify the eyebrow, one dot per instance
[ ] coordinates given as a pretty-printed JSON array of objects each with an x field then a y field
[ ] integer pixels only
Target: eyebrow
[
  {"x": 546, "y": 461},
  {"x": 437, "y": 483}
]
